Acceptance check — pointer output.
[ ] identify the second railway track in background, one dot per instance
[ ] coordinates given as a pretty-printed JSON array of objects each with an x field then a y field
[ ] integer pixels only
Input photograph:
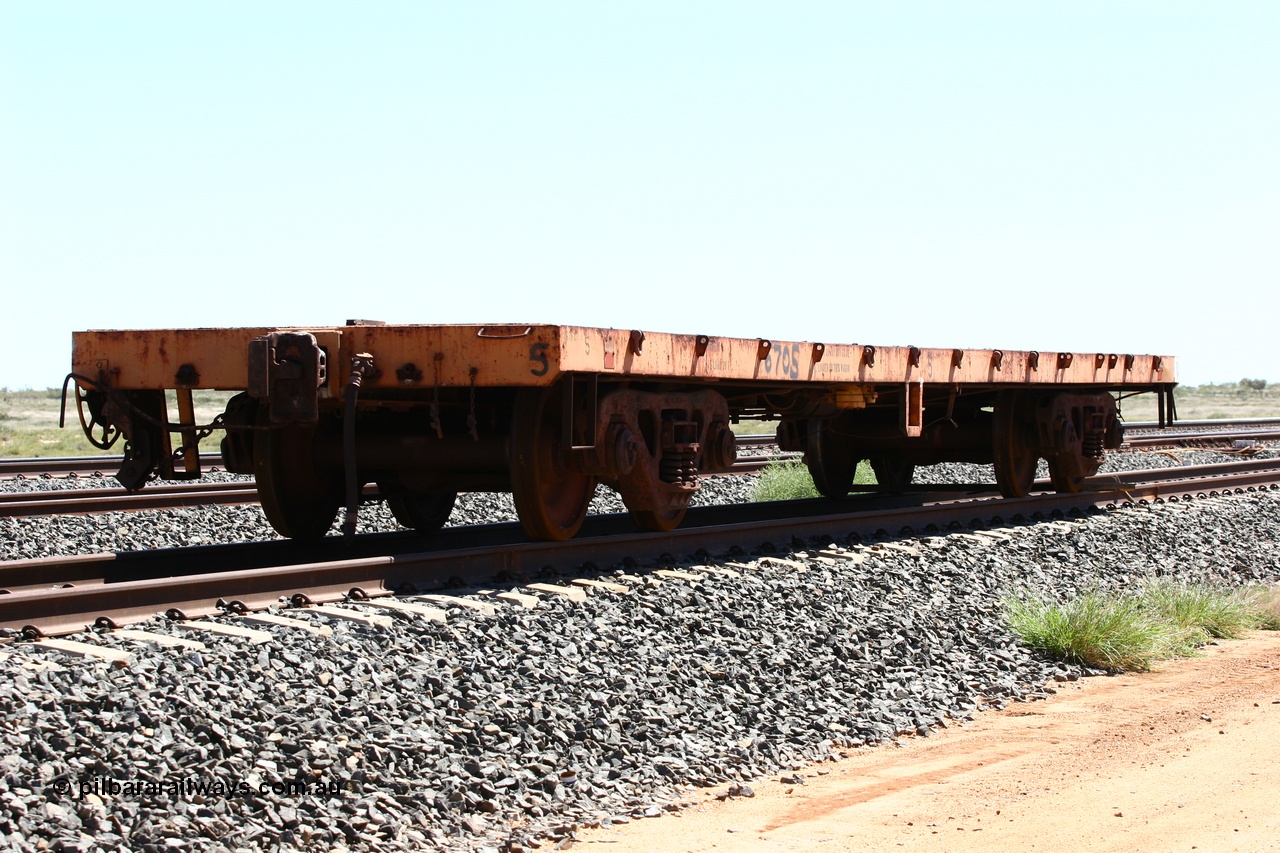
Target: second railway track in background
[
  {"x": 75, "y": 501},
  {"x": 243, "y": 491},
  {"x": 103, "y": 466}
]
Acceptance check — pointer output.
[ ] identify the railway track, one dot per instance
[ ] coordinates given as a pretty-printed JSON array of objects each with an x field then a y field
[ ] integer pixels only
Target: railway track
[
  {"x": 27, "y": 504},
  {"x": 1206, "y": 423},
  {"x": 106, "y": 465},
  {"x": 80, "y": 466},
  {"x": 1214, "y": 438},
  {"x": 63, "y": 595},
  {"x": 204, "y": 493}
]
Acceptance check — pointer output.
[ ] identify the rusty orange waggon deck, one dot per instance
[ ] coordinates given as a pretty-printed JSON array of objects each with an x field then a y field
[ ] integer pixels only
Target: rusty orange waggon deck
[
  {"x": 547, "y": 412},
  {"x": 513, "y": 355}
]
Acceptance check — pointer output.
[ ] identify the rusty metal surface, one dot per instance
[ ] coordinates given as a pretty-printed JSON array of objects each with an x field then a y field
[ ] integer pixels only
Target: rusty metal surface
[
  {"x": 607, "y": 351},
  {"x": 427, "y": 356},
  {"x": 152, "y": 358},
  {"x": 86, "y": 501}
]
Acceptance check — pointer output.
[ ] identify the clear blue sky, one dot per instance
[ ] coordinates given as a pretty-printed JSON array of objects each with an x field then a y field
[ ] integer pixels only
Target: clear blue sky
[{"x": 1086, "y": 175}]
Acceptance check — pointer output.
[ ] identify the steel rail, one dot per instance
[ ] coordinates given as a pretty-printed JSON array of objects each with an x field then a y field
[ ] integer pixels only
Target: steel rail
[
  {"x": 69, "y": 607},
  {"x": 84, "y": 466},
  {"x": 86, "y": 501},
  {"x": 201, "y": 493},
  {"x": 104, "y": 465},
  {"x": 1208, "y": 422},
  {"x": 1190, "y": 439},
  {"x": 1257, "y": 428}
]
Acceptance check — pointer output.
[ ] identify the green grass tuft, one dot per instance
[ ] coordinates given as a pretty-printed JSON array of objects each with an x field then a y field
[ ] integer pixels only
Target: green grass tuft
[
  {"x": 1095, "y": 629},
  {"x": 1165, "y": 620},
  {"x": 1264, "y": 604},
  {"x": 784, "y": 481},
  {"x": 790, "y": 480},
  {"x": 1219, "y": 613}
]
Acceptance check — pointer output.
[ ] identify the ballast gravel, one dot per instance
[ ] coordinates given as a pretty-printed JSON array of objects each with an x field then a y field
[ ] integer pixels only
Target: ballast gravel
[
  {"x": 1115, "y": 463},
  {"x": 49, "y": 536},
  {"x": 508, "y": 731}
]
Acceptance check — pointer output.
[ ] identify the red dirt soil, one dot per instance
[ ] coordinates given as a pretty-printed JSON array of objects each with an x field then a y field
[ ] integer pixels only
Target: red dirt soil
[{"x": 1186, "y": 758}]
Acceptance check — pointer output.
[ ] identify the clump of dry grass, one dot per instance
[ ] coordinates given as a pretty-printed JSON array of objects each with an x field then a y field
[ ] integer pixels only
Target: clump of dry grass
[
  {"x": 1264, "y": 602},
  {"x": 1132, "y": 631}
]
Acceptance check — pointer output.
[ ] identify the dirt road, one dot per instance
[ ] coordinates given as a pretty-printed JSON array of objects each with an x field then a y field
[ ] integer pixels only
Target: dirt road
[{"x": 1187, "y": 758}]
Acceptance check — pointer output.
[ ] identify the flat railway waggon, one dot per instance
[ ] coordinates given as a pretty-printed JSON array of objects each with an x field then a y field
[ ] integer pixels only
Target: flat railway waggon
[{"x": 548, "y": 412}]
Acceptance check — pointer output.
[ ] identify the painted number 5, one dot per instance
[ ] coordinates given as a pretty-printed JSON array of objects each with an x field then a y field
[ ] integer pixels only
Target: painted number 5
[{"x": 538, "y": 355}]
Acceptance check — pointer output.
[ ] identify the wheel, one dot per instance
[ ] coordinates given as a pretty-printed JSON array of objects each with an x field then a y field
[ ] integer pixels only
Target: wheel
[
  {"x": 892, "y": 472},
  {"x": 424, "y": 512},
  {"x": 551, "y": 497},
  {"x": 831, "y": 459},
  {"x": 1063, "y": 482},
  {"x": 659, "y": 520},
  {"x": 299, "y": 500},
  {"x": 1015, "y": 456}
]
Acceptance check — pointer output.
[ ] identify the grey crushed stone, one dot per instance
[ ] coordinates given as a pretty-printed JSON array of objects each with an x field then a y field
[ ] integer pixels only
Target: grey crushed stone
[
  {"x": 507, "y": 732},
  {"x": 48, "y": 536},
  {"x": 28, "y": 538}
]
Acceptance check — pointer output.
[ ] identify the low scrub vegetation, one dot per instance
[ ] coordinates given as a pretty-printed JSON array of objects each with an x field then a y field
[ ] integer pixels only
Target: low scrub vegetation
[
  {"x": 1248, "y": 398},
  {"x": 26, "y": 443},
  {"x": 1133, "y": 631},
  {"x": 1203, "y": 611},
  {"x": 29, "y": 423},
  {"x": 1265, "y": 603}
]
